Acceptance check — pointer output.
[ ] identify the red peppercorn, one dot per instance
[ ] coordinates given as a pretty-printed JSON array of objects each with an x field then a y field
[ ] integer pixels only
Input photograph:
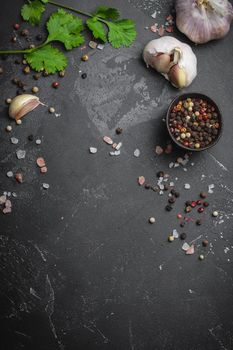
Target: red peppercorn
[
  {"x": 206, "y": 204},
  {"x": 200, "y": 210},
  {"x": 199, "y": 202},
  {"x": 193, "y": 204},
  {"x": 16, "y": 26},
  {"x": 55, "y": 84}
]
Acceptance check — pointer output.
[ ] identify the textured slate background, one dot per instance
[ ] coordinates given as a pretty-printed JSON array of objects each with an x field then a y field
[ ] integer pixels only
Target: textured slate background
[{"x": 80, "y": 266}]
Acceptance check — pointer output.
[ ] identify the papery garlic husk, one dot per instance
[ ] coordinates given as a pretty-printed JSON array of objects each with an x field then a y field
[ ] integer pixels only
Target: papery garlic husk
[
  {"x": 204, "y": 20},
  {"x": 181, "y": 56},
  {"x": 23, "y": 104}
]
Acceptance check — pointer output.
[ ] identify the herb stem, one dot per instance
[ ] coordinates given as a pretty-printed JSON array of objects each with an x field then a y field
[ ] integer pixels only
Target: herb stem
[
  {"x": 70, "y": 8},
  {"x": 23, "y": 51}
]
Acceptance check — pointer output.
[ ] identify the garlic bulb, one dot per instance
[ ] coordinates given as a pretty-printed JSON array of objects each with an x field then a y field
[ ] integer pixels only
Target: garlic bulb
[
  {"x": 204, "y": 20},
  {"x": 23, "y": 104},
  {"x": 173, "y": 59}
]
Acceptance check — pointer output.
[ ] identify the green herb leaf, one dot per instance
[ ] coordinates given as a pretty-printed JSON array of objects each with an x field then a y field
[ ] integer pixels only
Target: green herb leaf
[
  {"x": 97, "y": 28},
  {"x": 107, "y": 12},
  {"x": 64, "y": 27},
  {"x": 46, "y": 58},
  {"x": 32, "y": 12},
  {"x": 121, "y": 33},
  {"x": 44, "y": 1}
]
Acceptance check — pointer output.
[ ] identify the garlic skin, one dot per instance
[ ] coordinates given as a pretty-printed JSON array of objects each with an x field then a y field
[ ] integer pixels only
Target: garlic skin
[
  {"x": 23, "y": 104},
  {"x": 182, "y": 68},
  {"x": 204, "y": 20}
]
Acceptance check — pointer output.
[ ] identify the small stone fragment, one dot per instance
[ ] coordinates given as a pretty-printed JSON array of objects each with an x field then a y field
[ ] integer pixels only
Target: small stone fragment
[
  {"x": 141, "y": 180},
  {"x": 158, "y": 150},
  {"x": 93, "y": 150},
  {"x": 19, "y": 177},
  {"x": 14, "y": 140},
  {"x": 40, "y": 162},
  {"x": 108, "y": 140},
  {"x": 152, "y": 220},
  {"x": 20, "y": 154},
  {"x": 115, "y": 153},
  {"x": 8, "y": 203}
]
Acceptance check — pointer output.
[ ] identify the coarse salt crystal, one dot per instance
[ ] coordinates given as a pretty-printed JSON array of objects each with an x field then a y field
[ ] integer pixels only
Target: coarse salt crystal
[
  {"x": 14, "y": 140},
  {"x": 136, "y": 153},
  {"x": 141, "y": 180},
  {"x": 9, "y": 174},
  {"x": 45, "y": 186},
  {"x": 20, "y": 154},
  {"x": 187, "y": 186},
  {"x": 118, "y": 146},
  {"x": 108, "y": 140},
  {"x": 190, "y": 251},
  {"x": 175, "y": 233},
  {"x": 185, "y": 246},
  {"x": 93, "y": 150}
]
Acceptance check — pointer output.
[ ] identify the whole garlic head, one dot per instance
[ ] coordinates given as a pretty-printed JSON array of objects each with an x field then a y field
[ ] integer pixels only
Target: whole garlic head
[
  {"x": 173, "y": 59},
  {"x": 204, "y": 20}
]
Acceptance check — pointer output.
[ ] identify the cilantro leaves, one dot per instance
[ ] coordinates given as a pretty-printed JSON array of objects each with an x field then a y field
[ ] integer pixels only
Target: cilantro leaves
[
  {"x": 46, "y": 58},
  {"x": 104, "y": 23},
  {"x": 32, "y": 12},
  {"x": 66, "y": 28}
]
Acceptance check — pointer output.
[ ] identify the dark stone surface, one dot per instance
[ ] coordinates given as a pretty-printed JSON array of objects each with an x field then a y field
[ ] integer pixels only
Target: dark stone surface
[{"x": 80, "y": 266}]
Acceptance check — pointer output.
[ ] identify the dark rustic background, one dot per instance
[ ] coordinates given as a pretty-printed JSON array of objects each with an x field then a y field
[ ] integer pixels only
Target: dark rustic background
[{"x": 80, "y": 266}]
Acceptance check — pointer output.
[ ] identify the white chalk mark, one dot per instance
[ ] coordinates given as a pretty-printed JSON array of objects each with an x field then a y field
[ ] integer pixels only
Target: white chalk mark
[{"x": 218, "y": 162}]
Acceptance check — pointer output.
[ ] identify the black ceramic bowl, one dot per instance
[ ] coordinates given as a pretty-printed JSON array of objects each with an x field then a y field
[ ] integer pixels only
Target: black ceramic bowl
[{"x": 205, "y": 98}]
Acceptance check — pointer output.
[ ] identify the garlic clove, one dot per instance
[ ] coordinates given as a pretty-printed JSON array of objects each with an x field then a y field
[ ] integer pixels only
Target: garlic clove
[
  {"x": 177, "y": 76},
  {"x": 161, "y": 62},
  {"x": 23, "y": 104}
]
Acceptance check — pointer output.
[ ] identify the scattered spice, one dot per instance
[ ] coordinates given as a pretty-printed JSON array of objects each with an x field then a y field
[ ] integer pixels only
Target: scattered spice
[
  {"x": 8, "y": 128},
  {"x": 119, "y": 131},
  {"x": 201, "y": 257},
  {"x": 85, "y": 58},
  {"x": 205, "y": 243},
  {"x": 19, "y": 177},
  {"x": 40, "y": 162},
  {"x": 158, "y": 150},
  {"x": 20, "y": 154},
  {"x": 183, "y": 236},
  {"x": 141, "y": 180},
  {"x": 43, "y": 169},
  {"x": 35, "y": 89},
  {"x": 51, "y": 110},
  {"x": 84, "y": 75},
  {"x": 171, "y": 238},
  {"x": 55, "y": 85}
]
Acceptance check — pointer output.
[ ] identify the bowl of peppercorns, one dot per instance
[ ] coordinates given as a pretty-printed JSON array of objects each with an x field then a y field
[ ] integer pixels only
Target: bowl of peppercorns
[{"x": 194, "y": 122}]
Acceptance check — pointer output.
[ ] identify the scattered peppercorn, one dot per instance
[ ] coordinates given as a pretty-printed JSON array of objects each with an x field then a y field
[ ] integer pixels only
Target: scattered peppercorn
[
  {"x": 9, "y": 128},
  {"x": 215, "y": 213},
  {"x": 55, "y": 85},
  {"x": 183, "y": 236},
  {"x": 35, "y": 89},
  {"x": 166, "y": 187},
  {"x": 160, "y": 174},
  {"x": 171, "y": 238},
  {"x": 198, "y": 222},
  {"x": 179, "y": 216},
  {"x": 200, "y": 210},
  {"x": 188, "y": 209},
  {"x": 119, "y": 131},
  {"x": 1, "y": 70},
  {"x": 177, "y": 194},
  {"x": 203, "y": 195},
  {"x": 168, "y": 207},
  {"x": 25, "y": 32},
  {"x": 201, "y": 257},
  {"x": 193, "y": 204},
  {"x": 45, "y": 73},
  {"x": 39, "y": 37},
  {"x": 13, "y": 39},
  {"x": 30, "y": 137},
  {"x": 205, "y": 243},
  {"x": 147, "y": 186},
  {"x": 62, "y": 73},
  {"x": 32, "y": 46},
  {"x": 19, "y": 177},
  {"x": 84, "y": 75},
  {"x": 152, "y": 220},
  {"x": 36, "y": 76},
  {"x": 8, "y": 101},
  {"x": 171, "y": 200},
  {"x": 182, "y": 224},
  {"x": 18, "y": 121},
  {"x": 26, "y": 70},
  {"x": 85, "y": 58},
  {"x": 205, "y": 204},
  {"x": 16, "y": 26},
  {"x": 51, "y": 110}
]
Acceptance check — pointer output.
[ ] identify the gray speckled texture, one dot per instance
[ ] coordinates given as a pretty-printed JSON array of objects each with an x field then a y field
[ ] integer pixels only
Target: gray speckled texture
[{"x": 80, "y": 266}]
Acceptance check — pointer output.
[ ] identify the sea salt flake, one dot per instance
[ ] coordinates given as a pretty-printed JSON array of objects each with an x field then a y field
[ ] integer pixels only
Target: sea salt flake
[
  {"x": 175, "y": 234},
  {"x": 187, "y": 186},
  {"x": 93, "y": 150},
  {"x": 108, "y": 140},
  {"x": 141, "y": 180},
  {"x": 20, "y": 154},
  {"x": 136, "y": 153},
  {"x": 9, "y": 174},
  {"x": 14, "y": 140},
  {"x": 185, "y": 246}
]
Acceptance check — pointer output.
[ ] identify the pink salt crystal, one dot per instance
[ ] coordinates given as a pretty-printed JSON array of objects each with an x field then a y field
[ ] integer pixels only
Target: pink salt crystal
[
  {"x": 161, "y": 31},
  {"x": 6, "y": 210},
  {"x": 43, "y": 169},
  {"x": 141, "y": 180},
  {"x": 108, "y": 140},
  {"x": 40, "y": 162},
  {"x": 154, "y": 28},
  {"x": 8, "y": 203},
  {"x": 190, "y": 251},
  {"x": 2, "y": 199},
  {"x": 158, "y": 150}
]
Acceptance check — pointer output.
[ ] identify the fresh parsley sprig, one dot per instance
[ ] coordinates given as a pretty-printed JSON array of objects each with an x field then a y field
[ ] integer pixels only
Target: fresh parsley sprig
[{"x": 66, "y": 28}]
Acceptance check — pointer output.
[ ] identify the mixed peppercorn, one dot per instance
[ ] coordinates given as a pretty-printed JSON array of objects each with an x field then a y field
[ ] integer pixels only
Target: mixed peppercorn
[{"x": 194, "y": 123}]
